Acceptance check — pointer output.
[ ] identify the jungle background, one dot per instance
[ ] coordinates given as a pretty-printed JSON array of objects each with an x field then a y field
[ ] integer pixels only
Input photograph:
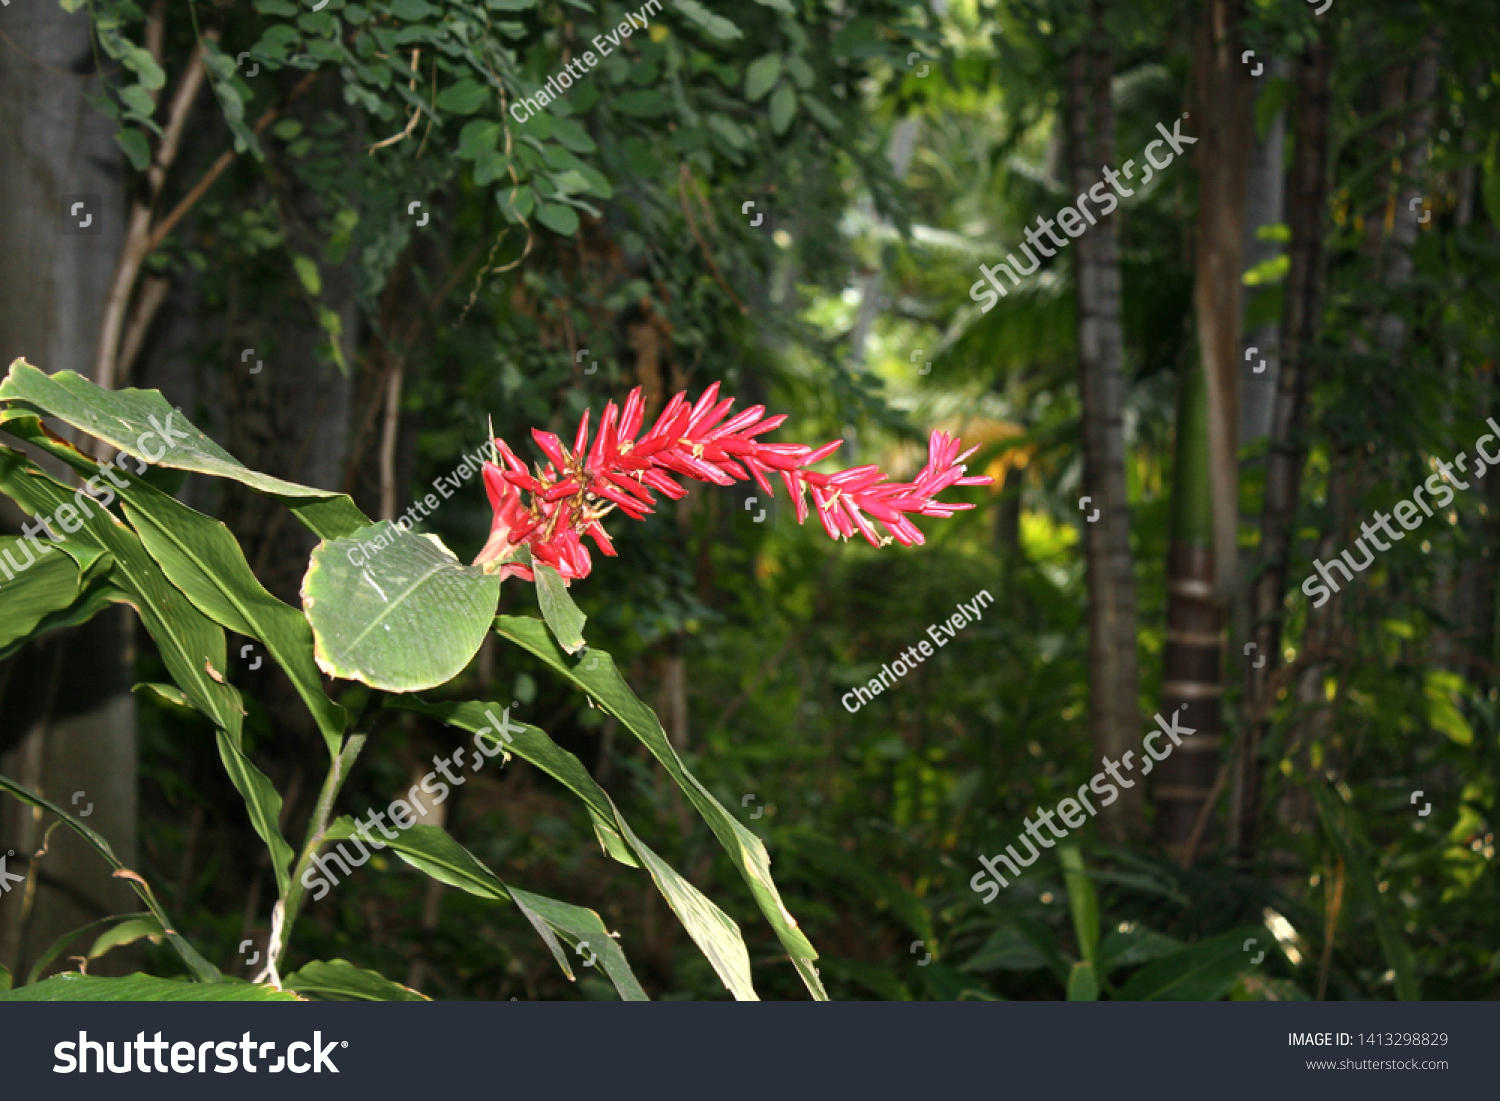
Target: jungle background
[{"x": 1275, "y": 338}]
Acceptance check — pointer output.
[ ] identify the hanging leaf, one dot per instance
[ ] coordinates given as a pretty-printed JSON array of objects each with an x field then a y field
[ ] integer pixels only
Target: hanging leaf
[
  {"x": 597, "y": 675},
  {"x": 127, "y": 418},
  {"x": 341, "y": 981}
]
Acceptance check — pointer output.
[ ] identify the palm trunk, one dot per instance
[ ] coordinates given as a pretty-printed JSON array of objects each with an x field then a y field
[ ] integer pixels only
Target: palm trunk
[{"x": 1113, "y": 668}]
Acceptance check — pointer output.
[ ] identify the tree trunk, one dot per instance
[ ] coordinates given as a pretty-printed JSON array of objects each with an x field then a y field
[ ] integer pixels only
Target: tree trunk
[
  {"x": 68, "y": 725},
  {"x": 1114, "y": 715},
  {"x": 1307, "y": 202},
  {"x": 1188, "y": 782}
]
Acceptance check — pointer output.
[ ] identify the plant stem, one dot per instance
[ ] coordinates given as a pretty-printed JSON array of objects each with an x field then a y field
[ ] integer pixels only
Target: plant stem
[{"x": 317, "y": 829}]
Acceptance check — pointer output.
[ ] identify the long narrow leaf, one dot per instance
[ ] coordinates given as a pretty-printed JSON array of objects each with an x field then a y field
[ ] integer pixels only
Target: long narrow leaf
[
  {"x": 205, "y": 971},
  {"x": 597, "y": 675}
]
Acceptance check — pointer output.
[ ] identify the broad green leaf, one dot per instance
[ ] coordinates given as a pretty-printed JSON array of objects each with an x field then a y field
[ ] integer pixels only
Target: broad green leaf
[
  {"x": 205, "y": 971},
  {"x": 712, "y": 930},
  {"x": 73, "y": 987},
  {"x": 124, "y": 419},
  {"x": 341, "y": 981},
  {"x": 191, "y": 644},
  {"x": 762, "y": 76},
  {"x": 597, "y": 675},
  {"x": 1202, "y": 972},
  {"x": 1084, "y": 904},
  {"x": 558, "y": 609},
  {"x": 1083, "y": 986},
  {"x": 204, "y": 560},
  {"x": 1342, "y": 830},
  {"x": 32, "y": 586},
  {"x": 395, "y": 610},
  {"x": 783, "y": 107},
  {"x": 430, "y": 849},
  {"x": 264, "y": 804}
]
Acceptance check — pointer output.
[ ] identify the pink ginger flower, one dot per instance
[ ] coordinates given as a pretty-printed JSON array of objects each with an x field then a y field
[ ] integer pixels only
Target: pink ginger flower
[{"x": 576, "y": 489}]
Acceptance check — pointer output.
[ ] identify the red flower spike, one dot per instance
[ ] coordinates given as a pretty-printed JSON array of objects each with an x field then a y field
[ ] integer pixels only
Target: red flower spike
[{"x": 574, "y": 491}]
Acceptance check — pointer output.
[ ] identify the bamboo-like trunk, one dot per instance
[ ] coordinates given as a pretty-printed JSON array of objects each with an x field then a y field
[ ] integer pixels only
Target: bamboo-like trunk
[{"x": 1307, "y": 202}]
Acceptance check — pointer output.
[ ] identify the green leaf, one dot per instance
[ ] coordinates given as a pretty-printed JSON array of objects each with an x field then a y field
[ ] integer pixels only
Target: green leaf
[
  {"x": 307, "y": 274},
  {"x": 875, "y": 884},
  {"x": 463, "y": 98},
  {"x": 73, "y": 987},
  {"x": 125, "y": 921},
  {"x": 1131, "y": 944},
  {"x": 712, "y": 25},
  {"x": 137, "y": 151},
  {"x": 558, "y": 218},
  {"x": 430, "y": 849},
  {"x": 1083, "y": 986},
  {"x": 1442, "y": 690},
  {"x": 205, "y": 971},
  {"x": 762, "y": 76},
  {"x": 1006, "y": 950},
  {"x": 341, "y": 981},
  {"x": 413, "y": 11},
  {"x": 1202, "y": 972},
  {"x": 395, "y": 610},
  {"x": 264, "y": 804},
  {"x": 645, "y": 103},
  {"x": 191, "y": 645},
  {"x": 123, "y": 418},
  {"x": 139, "y": 61},
  {"x": 1084, "y": 904},
  {"x": 597, "y": 675},
  {"x": 32, "y": 587},
  {"x": 783, "y": 107},
  {"x": 1341, "y": 827},
  {"x": 711, "y": 929},
  {"x": 204, "y": 560},
  {"x": 127, "y": 932},
  {"x": 478, "y": 136},
  {"x": 558, "y": 609},
  {"x": 783, "y": 6}
]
